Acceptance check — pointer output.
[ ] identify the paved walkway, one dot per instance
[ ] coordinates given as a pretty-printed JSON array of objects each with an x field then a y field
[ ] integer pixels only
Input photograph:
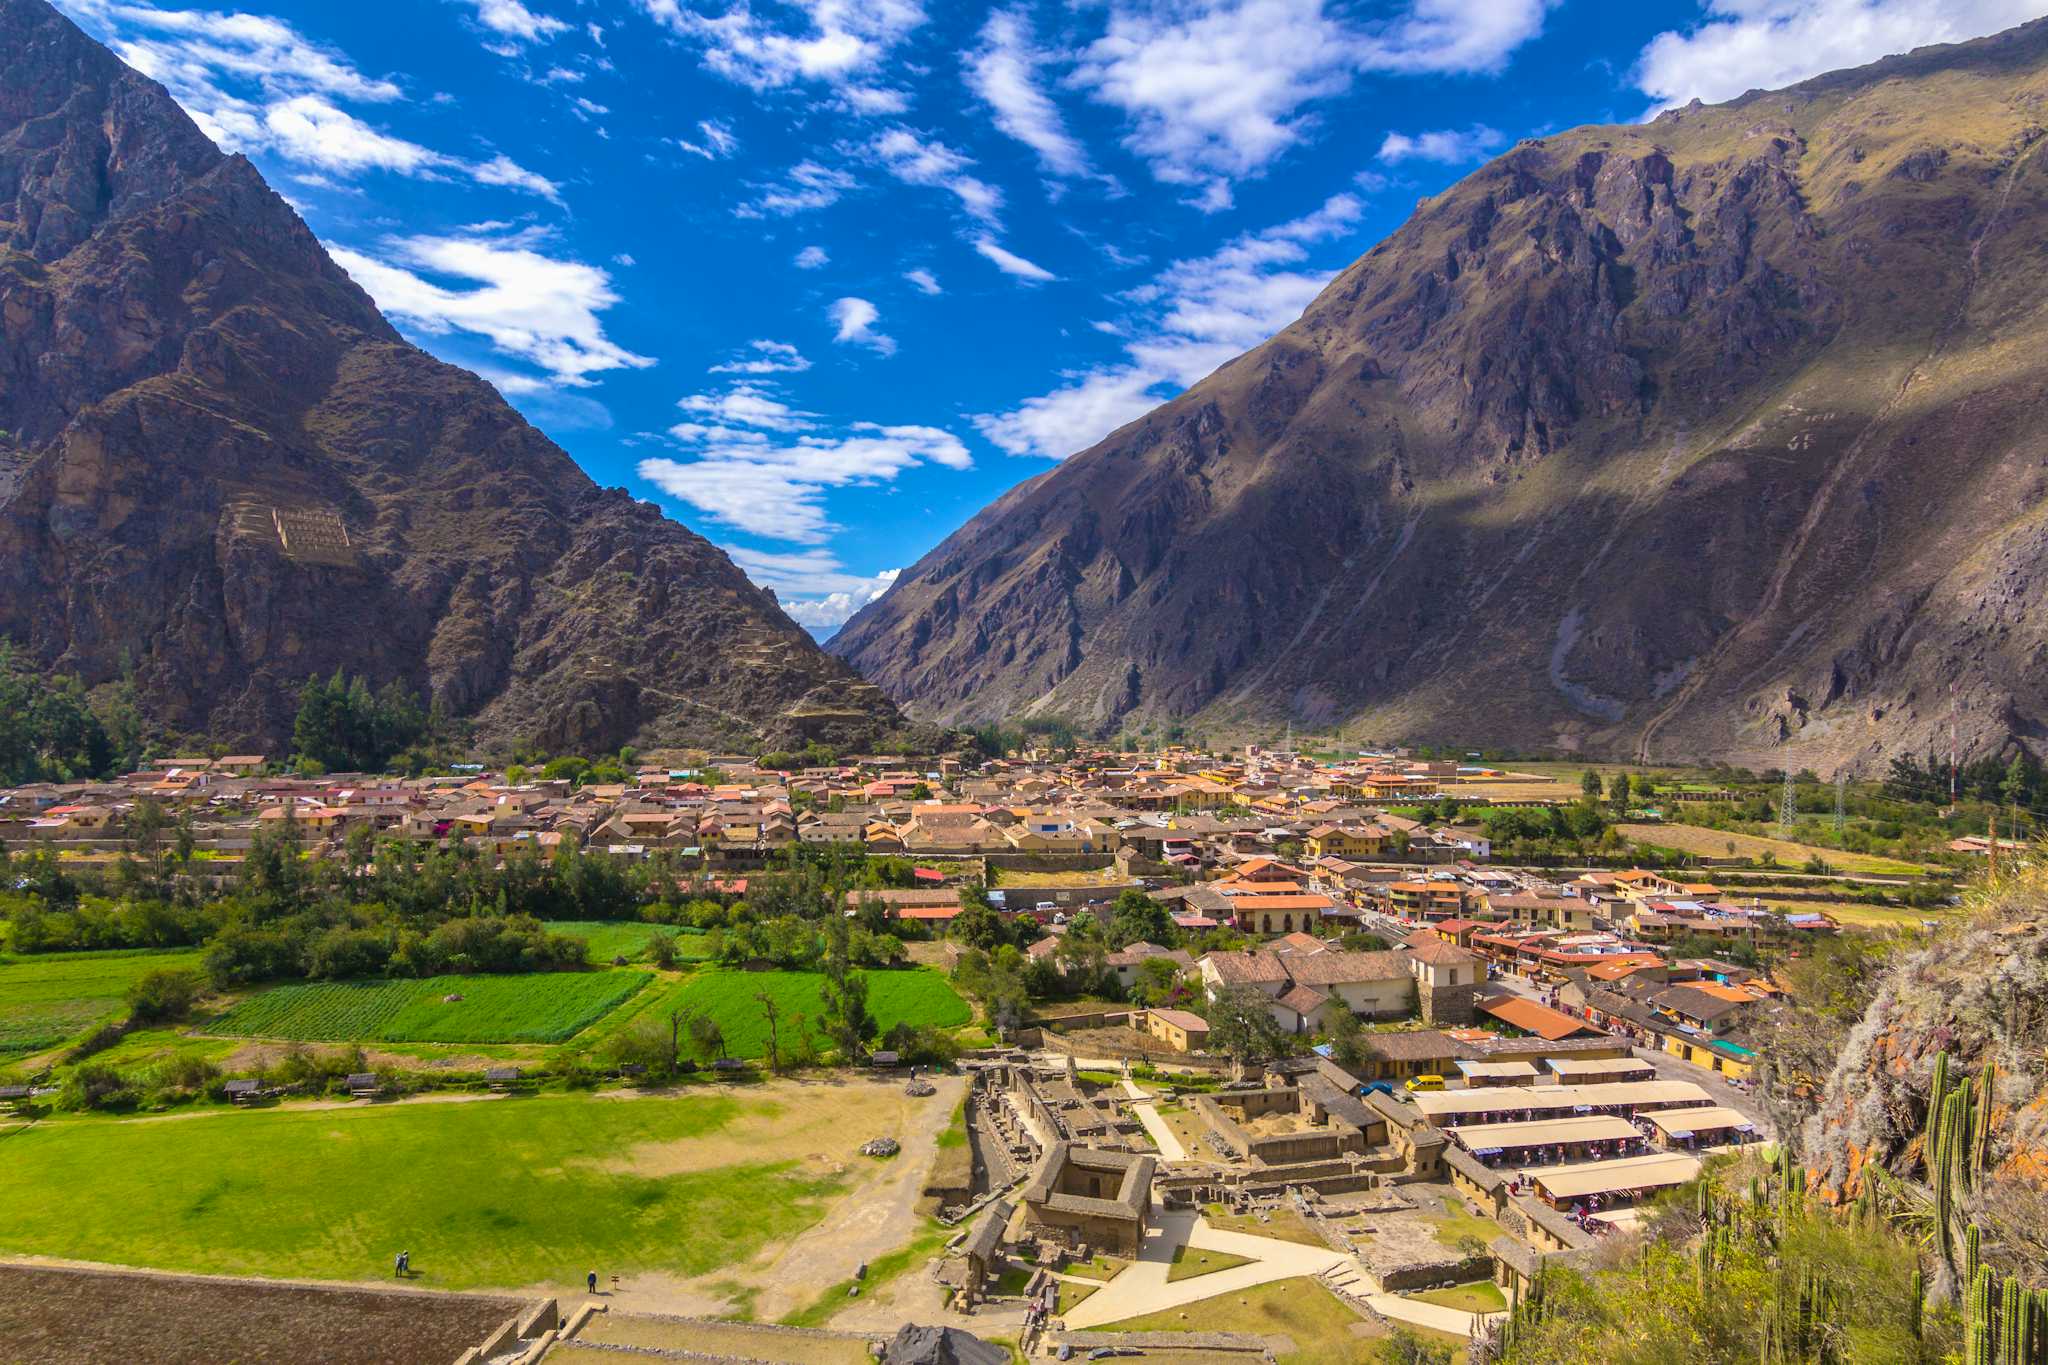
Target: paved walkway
[
  {"x": 1169, "y": 1144},
  {"x": 1143, "y": 1287},
  {"x": 1434, "y": 1316}
]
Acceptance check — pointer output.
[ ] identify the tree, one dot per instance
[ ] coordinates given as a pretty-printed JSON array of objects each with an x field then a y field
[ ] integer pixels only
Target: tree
[
  {"x": 845, "y": 994},
  {"x": 1137, "y": 918},
  {"x": 1158, "y": 982},
  {"x": 1589, "y": 784},
  {"x": 144, "y": 828},
  {"x": 1347, "y": 1041},
  {"x": 1242, "y": 1027},
  {"x": 774, "y": 1043}
]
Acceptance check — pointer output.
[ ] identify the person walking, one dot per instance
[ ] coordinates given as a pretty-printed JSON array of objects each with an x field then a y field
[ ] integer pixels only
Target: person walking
[{"x": 593, "y": 1281}]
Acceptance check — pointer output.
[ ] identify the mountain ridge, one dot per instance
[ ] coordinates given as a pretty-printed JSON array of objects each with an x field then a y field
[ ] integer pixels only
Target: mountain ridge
[
  {"x": 1705, "y": 438},
  {"x": 222, "y": 471}
]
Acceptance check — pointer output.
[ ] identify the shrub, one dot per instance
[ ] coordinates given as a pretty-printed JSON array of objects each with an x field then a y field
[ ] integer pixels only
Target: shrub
[
  {"x": 97, "y": 1086},
  {"x": 166, "y": 993}
]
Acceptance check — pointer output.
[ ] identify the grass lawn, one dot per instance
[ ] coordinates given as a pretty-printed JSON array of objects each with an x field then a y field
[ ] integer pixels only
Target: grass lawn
[
  {"x": 538, "y": 1007},
  {"x": 1862, "y": 916},
  {"x": 609, "y": 939},
  {"x": 1072, "y": 1293},
  {"x": 916, "y": 996},
  {"x": 1098, "y": 1267},
  {"x": 1014, "y": 1280},
  {"x": 1283, "y": 1225},
  {"x": 1713, "y": 843},
  {"x": 1480, "y": 1296},
  {"x": 50, "y": 998},
  {"x": 1323, "y": 1330},
  {"x": 1456, "y": 1223},
  {"x": 492, "y": 1193},
  {"x": 1189, "y": 1262}
]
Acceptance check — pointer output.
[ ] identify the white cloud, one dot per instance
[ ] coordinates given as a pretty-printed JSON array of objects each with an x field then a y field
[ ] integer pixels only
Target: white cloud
[
  {"x": 814, "y": 587},
  {"x": 1194, "y": 316},
  {"x": 764, "y": 469},
  {"x": 1764, "y": 44},
  {"x": 718, "y": 142},
  {"x": 1448, "y": 145},
  {"x": 765, "y": 357},
  {"x": 1216, "y": 89},
  {"x": 1003, "y": 71},
  {"x": 515, "y": 20},
  {"x": 745, "y": 404},
  {"x": 528, "y": 305},
  {"x": 1012, "y": 264},
  {"x": 254, "y": 84},
  {"x": 856, "y": 319},
  {"x": 806, "y": 187},
  {"x": 917, "y": 161},
  {"x": 926, "y": 282},
  {"x": 811, "y": 258},
  {"x": 839, "y": 43}
]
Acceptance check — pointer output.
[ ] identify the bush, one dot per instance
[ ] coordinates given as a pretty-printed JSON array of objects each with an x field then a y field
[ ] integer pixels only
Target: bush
[
  {"x": 164, "y": 994},
  {"x": 344, "y": 952},
  {"x": 97, "y": 1086},
  {"x": 921, "y": 1045}
]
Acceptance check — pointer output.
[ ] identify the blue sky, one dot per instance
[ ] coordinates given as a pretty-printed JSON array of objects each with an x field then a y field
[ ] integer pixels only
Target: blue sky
[{"x": 821, "y": 278}]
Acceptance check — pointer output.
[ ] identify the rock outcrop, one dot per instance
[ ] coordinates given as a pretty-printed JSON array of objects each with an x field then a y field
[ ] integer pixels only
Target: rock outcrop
[
  {"x": 1716, "y": 437},
  {"x": 222, "y": 471}
]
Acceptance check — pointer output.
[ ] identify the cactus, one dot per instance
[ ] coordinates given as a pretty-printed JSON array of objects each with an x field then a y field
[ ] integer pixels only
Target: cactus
[
  {"x": 1937, "y": 1091},
  {"x": 1964, "y": 1144},
  {"x": 1978, "y": 1348},
  {"x": 1973, "y": 1240},
  {"x": 1944, "y": 1212},
  {"x": 1987, "y": 1085},
  {"x": 1916, "y": 1302},
  {"x": 2010, "y": 1311}
]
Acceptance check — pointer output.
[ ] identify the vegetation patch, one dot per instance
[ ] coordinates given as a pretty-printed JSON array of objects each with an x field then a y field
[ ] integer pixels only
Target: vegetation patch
[
  {"x": 633, "y": 940},
  {"x": 732, "y": 1000},
  {"x": 1480, "y": 1296},
  {"x": 47, "y": 1000},
  {"x": 546, "y": 1007},
  {"x": 501, "y": 1193},
  {"x": 1189, "y": 1262}
]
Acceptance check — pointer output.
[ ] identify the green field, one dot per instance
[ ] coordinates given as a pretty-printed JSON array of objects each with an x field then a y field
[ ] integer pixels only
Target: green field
[
  {"x": 501, "y": 1193},
  {"x": 544, "y": 1007},
  {"x": 916, "y": 996},
  {"x": 48, "y": 999},
  {"x": 609, "y": 939}
]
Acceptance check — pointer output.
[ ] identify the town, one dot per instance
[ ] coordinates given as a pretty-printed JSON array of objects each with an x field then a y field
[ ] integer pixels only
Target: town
[{"x": 1216, "y": 1029}]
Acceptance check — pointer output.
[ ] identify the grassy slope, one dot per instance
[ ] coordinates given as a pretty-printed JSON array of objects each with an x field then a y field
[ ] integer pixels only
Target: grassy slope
[
  {"x": 544, "y": 1007},
  {"x": 1713, "y": 843},
  {"x": 917, "y": 996},
  {"x": 47, "y": 999},
  {"x": 502, "y": 1193},
  {"x": 630, "y": 939},
  {"x": 1323, "y": 1330}
]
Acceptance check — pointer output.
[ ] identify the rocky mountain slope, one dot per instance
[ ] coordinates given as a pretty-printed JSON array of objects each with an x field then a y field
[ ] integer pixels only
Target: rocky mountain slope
[
  {"x": 1719, "y": 436},
  {"x": 222, "y": 469}
]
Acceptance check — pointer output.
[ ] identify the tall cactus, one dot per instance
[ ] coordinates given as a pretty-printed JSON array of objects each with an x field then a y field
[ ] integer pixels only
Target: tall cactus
[
  {"x": 1939, "y": 1173},
  {"x": 1978, "y": 1348},
  {"x": 1916, "y": 1302},
  {"x": 1973, "y": 1241},
  {"x": 1937, "y": 1091},
  {"x": 1987, "y": 1086},
  {"x": 2010, "y": 1313}
]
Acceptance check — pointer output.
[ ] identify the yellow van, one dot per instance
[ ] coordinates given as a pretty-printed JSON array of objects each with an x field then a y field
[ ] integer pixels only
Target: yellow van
[{"x": 1426, "y": 1083}]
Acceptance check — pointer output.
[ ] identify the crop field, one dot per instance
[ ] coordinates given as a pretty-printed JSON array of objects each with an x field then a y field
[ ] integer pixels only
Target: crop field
[
  {"x": 544, "y": 1007},
  {"x": 611, "y": 939},
  {"x": 916, "y": 996},
  {"x": 46, "y": 999},
  {"x": 496, "y": 1193},
  {"x": 1713, "y": 843}
]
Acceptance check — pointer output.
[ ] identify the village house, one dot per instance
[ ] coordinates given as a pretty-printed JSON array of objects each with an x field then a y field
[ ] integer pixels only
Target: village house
[{"x": 1309, "y": 989}]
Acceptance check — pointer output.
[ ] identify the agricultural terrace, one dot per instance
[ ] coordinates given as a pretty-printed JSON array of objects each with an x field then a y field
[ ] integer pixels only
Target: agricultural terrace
[
  {"x": 916, "y": 996},
  {"x": 48, "y": 999},
  {"x": 542, "y": 1007},
  {"x": 1715, "y": 843},
  {"x": 682, "y": 1194},
  {"x": 633, "y": 940}
]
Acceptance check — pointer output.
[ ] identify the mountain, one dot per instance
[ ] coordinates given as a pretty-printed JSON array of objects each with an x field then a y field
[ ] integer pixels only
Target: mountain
[
  {"x": 222, "y": 472},
  {"x": 1716, "y": 437}
]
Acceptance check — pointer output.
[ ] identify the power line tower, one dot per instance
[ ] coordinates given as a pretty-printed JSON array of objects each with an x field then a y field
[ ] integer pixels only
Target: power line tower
[
  {"x": 1841, "y": 782},
  {"x": 1788, "y": 806}
]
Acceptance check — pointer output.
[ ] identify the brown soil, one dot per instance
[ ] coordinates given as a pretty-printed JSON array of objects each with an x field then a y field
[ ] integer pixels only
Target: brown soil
[{"x": 60, "y": 1316}]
